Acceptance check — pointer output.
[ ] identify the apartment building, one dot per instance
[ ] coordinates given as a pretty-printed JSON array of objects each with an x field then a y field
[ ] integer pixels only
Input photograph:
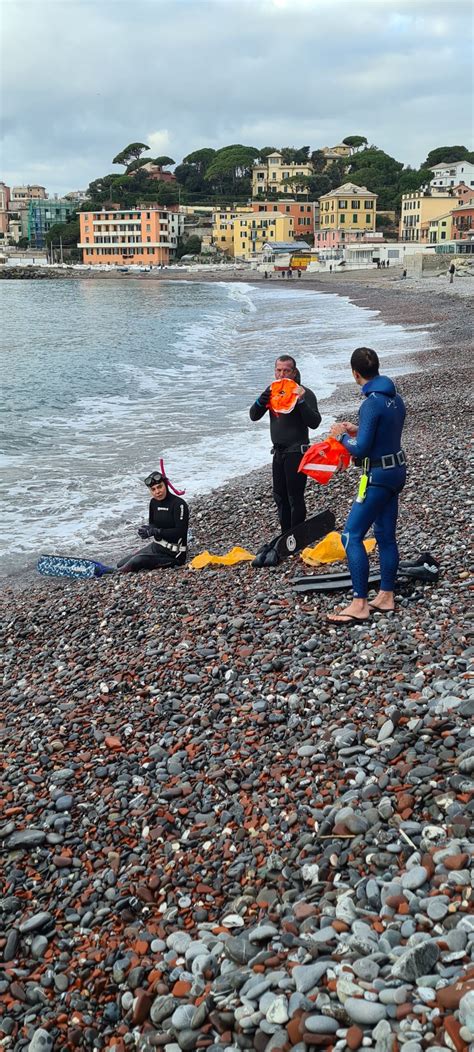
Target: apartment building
[
  {"x": 440, "y": 229},
  {"x": 302, "y": 213},
  {"x": 446, "y": 175},
  {"x": 129, "y": 235},
  {"x": 274, "y": 173},
  {"x": 43, "y": 214},
  {"x": 253, "y": 231},
  {"x": 347, "y": 209},
  {"x": 418, "y": 210},
  {"x": 223, "y": 227},
  {"x": 463, "y": 221}
]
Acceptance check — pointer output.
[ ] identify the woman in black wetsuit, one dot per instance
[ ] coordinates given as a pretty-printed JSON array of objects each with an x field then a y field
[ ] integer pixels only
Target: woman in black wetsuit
[{"x": 167, "y": 526}]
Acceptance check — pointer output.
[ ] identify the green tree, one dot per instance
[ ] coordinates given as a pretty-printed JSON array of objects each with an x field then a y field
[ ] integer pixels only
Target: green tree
[
  {"x": 101, "y": 189},
  {"x": 378, "y": 172},
  {"x": 234, "y": 161},
  {"x": 355, "y": 141},
  {"x": 318, "y": 161},
  {"x": 131, "y": 152},
  {"x": 265, "y": 153},
  {"x": 450, "y": 154},
  {"x": 200, "y": 159},
  {"x": 162, "y": 162}
]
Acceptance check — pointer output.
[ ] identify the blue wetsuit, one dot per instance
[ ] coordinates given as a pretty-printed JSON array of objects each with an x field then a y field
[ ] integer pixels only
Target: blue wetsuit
[{"x": 381, "y": 419}]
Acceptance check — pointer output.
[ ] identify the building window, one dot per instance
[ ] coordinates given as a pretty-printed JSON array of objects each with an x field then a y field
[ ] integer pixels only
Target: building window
[
  {"x": 342, "y": 219},
  {"x": 355, "y": 217},
  {"x": 355, "y": 204},
  {"x": 368, "y": 218},
  {"x": 342, "y": 204},
  {"x": 368, "y": 204}
]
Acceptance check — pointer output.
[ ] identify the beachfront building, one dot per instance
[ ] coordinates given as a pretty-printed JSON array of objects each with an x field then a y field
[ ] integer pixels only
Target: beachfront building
[
  {"x": 43, "y": 214},
  {"x": 223, "y": 227},
  {"x": 4, "y": 208},
  {"x": 417, "y": 211},
  {"x": 347, "y": 210},
  {"x": 273, "y": 175},
  {"x": 20, "y": 197},
  {"x": 449, "y": 175},
  {"x": 463, "y": 222},
  {"x": 123, "y": 236},
  {"x": 302, "y": 213},
  {"x": 440, "y": 229},
  {"x": 253, "y": 231}
]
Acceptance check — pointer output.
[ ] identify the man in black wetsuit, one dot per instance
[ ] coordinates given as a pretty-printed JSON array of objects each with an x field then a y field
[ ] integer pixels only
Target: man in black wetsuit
[
  {"x": 168, "y": 526},
  {"x": 290, "y": 437}
]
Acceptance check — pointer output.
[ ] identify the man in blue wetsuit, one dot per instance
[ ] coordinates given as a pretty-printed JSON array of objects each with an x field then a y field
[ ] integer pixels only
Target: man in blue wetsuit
[{"x": 376, "y": 446}]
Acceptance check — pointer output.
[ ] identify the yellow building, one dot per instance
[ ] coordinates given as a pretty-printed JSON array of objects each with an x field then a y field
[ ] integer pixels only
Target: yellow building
[
  {"x": 440, "y": 229},
  {"x": 417, "y": 211},
  {"x": 348, "y": 207},
  {"x": 273, "y": 175},
  {"x": 223, "y": 228},
  {"x": 253, "y": 232}
]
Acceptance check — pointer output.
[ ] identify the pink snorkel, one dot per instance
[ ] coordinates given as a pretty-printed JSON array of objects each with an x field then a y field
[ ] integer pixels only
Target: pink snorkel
[{"x": 179, "y": 492}]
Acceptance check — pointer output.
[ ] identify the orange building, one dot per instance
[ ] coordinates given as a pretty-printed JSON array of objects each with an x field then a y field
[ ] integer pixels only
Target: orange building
[
  {"x": 129, "y": 235},
  {"x": 301, "y": 213}
]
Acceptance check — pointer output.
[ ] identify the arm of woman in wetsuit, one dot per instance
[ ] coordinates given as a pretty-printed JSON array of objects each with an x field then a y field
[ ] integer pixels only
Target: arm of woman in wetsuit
[{"x": 178, "y": 531}]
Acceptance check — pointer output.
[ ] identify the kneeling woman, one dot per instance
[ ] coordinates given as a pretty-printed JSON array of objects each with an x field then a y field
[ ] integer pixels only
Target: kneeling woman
[{"x": 168, "y": 519}]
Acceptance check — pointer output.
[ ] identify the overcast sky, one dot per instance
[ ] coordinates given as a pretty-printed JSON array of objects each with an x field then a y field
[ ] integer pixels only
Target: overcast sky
[{"x": 82, "y": 78}]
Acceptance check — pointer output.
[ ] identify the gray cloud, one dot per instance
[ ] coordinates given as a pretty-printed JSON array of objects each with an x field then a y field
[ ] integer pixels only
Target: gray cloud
[{"x": 81, "y": 78}]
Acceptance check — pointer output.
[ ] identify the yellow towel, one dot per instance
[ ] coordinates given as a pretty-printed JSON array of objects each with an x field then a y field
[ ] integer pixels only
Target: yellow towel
[
  {"x": 236, "y": 555},
  {"x": 330, "y": 550}
]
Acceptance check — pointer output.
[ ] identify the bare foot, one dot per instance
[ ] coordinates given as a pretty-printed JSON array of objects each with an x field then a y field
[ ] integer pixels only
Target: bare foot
[
  {"x": 358, "y": 610},
  {"x": 383, "y": 601}
]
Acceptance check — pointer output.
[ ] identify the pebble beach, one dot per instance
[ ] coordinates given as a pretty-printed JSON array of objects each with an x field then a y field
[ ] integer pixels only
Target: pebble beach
[{"x": 228, "y": 824}]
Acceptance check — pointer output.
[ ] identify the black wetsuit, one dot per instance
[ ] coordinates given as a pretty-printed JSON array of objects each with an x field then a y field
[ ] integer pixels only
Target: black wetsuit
[
  {"x": 290, "y": 436},
  {"x": 169, "y": 519}
]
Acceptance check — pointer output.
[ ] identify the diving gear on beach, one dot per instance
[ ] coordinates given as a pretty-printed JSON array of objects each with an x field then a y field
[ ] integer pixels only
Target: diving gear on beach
[
  {"x": 160, "y": 476},
  {"x": 289, "y": 429},
  {"x": 67, "y": 566},
  {"x": 154, "y": 479},
  {"x": 294, "y": 540},
  {"x": 362, "y": 491},
  {"x": 391, "y": 460},
  {"x": 283, "y": 396},
  {"x": 324, "y": 459},
  {"x": 330, "y": 550},
  {"x": 425, "y": 569}
]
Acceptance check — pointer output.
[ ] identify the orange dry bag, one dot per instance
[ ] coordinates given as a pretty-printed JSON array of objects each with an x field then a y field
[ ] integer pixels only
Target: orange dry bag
[
  {"x": 283, "y": 396},
  {"x": 322, "y": 461}
]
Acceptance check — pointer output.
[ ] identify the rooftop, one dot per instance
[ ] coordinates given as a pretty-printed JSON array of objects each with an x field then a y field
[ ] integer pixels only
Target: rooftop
[{"x": 350, "y": 188}]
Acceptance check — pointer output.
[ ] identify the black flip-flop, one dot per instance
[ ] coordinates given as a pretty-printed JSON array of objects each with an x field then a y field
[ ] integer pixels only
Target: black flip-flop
[{"x": 349, "y": 619}]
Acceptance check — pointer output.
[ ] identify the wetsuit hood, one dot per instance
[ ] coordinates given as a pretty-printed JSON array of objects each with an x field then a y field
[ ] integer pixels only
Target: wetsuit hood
[{"x": 380, "y": 385}]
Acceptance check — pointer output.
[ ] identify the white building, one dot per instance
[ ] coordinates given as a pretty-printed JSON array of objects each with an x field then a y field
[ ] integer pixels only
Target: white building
[{"x": 447, "y": 175}]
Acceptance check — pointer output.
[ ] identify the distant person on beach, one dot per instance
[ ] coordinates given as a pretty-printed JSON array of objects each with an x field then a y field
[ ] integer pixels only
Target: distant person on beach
[
  {"x": 376, "y": 446},
  {"x": 452, "y": 271},
  {"x": 290, "y": 436},
  {"x": 167, "y": 528}
]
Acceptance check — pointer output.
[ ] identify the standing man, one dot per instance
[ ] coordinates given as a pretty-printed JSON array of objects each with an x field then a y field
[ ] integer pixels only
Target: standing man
[
  {"x": 452, "y": 271},
  {"x": 376, "y": 446},
  {"x": 290, "y": 437}
]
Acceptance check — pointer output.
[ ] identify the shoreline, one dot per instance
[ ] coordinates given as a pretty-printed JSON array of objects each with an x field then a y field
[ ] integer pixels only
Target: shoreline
[{"x": 228, "y": 824}]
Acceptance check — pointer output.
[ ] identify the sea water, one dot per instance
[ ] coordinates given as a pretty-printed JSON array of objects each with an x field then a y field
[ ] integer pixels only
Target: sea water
[{"x": 100, "y": 379}]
